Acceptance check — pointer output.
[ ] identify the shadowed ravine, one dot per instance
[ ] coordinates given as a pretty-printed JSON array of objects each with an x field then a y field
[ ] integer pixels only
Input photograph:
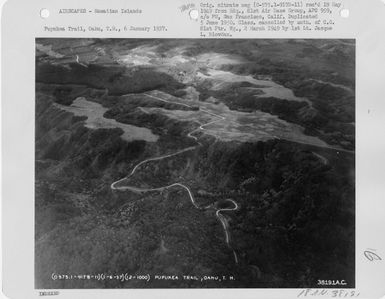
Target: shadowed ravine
[
  {"x": 218, "y": 212},
  {"x": 203, "y": 163}
]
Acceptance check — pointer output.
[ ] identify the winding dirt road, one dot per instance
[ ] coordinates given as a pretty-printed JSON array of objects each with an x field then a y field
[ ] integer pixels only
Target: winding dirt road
[
  {"x": 322, "y": 158},
  {"x": 134, "y": 189},
  {"x": 78, "y": 61},
  {"x": 225, "y": 225}
]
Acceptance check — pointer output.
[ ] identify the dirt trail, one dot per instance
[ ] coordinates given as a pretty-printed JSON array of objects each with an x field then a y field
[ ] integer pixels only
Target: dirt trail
[{"x": 134, "y": 189}]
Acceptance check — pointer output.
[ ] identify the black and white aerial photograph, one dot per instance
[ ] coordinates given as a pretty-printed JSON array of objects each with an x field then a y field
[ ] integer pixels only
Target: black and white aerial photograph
[{"x": 194, "y": 163}]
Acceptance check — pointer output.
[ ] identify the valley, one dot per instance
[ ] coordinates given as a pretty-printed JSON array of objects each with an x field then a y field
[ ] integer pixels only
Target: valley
[{"x": 195, "y": 157}]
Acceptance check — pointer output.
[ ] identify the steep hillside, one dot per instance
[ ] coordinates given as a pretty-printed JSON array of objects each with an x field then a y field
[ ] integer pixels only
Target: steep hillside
[{"x": 210, "y": 158}]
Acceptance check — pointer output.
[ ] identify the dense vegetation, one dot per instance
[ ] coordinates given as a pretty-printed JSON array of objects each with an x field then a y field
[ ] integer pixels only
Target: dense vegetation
[
  {"x": 294, "y": 211},
  {"x": 296, "y": 221},
  {"x": 116, "y": 79}
]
